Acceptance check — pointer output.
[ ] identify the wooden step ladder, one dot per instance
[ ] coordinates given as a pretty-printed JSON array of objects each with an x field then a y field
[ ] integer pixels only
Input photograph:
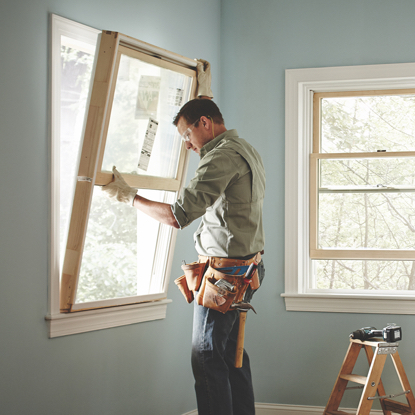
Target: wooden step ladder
[{"x": 372, "y": 383}]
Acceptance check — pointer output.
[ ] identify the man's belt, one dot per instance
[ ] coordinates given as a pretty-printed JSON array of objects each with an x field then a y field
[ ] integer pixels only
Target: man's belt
[{"x": 223, "y": 264}]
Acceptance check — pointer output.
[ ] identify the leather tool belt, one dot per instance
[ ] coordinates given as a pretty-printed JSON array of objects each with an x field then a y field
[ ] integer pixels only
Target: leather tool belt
[{"x": 216, "y": 282}]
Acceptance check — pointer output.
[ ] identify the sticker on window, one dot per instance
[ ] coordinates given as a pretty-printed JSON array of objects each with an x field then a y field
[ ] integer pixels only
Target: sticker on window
[
  {"x": 148, "y": 96},
  {"x": 149, "y": 138},
  {"x": 175, "y": 97}
]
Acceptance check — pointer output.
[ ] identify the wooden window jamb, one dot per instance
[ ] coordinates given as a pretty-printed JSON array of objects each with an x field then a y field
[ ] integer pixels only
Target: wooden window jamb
[{"x": 111, "y": 45}]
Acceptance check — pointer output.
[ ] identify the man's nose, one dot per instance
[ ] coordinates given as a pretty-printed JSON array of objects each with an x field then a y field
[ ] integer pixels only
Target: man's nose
[{"x": 188, "y": 145}]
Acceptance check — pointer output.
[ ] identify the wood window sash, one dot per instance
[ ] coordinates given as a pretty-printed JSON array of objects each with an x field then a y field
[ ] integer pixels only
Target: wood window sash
[
  {"x": 315, "y": 156},
  {"x": 96, "y": 128}
]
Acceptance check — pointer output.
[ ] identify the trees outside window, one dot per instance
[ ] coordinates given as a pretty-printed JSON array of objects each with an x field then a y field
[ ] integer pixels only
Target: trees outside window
[{"x": 365, "y": 197}]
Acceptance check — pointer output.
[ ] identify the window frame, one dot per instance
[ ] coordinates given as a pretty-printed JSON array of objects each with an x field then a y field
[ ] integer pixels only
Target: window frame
[
  {"x": 99, "y": 318},
  {"x": 301, "y": 86}
]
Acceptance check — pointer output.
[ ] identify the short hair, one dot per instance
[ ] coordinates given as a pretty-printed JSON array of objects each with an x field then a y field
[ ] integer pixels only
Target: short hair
[{"x": 196, "y": 108}]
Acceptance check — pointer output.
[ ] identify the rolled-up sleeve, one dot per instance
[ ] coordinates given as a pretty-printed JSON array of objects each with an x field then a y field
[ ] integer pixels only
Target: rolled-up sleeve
[{"x": 212, "y": 176}]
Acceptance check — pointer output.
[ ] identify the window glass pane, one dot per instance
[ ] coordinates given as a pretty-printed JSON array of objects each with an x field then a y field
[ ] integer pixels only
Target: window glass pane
[
  {"x": 120, "y": 248},
  {"x": 367, "y": 220},
  {"x": 143, "y": 92},
  {"x": 363, "y": 275},
  {"x": 393, "y": 172},
  {"x": 76, "y": 65},
  {"x": 368, "y": 124}
]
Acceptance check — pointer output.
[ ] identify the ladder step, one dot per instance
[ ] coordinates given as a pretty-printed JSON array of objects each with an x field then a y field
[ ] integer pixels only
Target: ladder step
[
  {"x": 336, "y": 413},
  {"x": 395, "y": 406},
  {"x": 355, "y": 378}
]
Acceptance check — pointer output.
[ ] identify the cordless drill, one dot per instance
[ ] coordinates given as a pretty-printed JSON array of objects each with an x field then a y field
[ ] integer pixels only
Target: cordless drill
[{"x": 391, "y": 333}]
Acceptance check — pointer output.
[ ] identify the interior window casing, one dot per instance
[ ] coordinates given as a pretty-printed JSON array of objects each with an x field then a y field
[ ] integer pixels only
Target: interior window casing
[
  {"x": 103, "y": 315},
  {"x": 302, "y": 85}
]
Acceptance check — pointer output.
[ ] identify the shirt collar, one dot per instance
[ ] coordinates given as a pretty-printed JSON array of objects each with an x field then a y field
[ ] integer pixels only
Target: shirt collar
[{"x": 216, "y": 141}]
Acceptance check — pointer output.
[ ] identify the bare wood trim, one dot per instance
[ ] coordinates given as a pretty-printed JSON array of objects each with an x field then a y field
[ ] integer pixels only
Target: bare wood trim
[
  {"x": 156, "y": 61},
  {"x": 87, "y": 167},
  {"x": 157, "y": 51},
  {"x": 316, "y": 123},
  {"x": 181, "y": 168},
  {"x": 314, "y": 179},
  {"x": 113, "y": 83},
  {"x": 374, "y": 92},
  {"x": 378, "y": 155},
  {"x": 125, "y": 301},
  {"x": 141, "y": 182},
  {"x": 374, "y": 254}
]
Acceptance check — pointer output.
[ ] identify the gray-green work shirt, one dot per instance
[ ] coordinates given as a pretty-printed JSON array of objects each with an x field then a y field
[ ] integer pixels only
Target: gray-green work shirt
[{"x": 227, "y": 191}]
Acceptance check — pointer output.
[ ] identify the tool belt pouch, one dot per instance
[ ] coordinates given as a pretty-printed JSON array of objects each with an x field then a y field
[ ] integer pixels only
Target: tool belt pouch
[
  {"x": 215, "y": 295},
  {"x": 255, "y": 281},
  {"x": 194, "y": 274},
  {"x": 181, "y": 283}
]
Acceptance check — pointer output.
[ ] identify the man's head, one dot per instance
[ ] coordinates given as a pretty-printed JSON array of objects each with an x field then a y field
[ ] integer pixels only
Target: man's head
[{"x": 199, "y": 121}]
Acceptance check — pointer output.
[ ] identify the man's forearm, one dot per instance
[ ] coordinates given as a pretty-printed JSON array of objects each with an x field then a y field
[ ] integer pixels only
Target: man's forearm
[{"x": 157, "y": 210}]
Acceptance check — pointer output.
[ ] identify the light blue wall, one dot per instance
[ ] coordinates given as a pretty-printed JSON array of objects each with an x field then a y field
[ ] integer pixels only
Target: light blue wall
[
  {"x": 295, "y": 356},
  {"x": 298, "y": 355},
  {"x": 137, "y": 369}
]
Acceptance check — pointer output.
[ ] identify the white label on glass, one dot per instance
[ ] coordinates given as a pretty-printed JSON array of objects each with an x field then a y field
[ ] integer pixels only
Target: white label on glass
[
  {"x": 175, "y": 97},
  {"x": 148, "y": 144},
  {"x": 148, "y": 96}
]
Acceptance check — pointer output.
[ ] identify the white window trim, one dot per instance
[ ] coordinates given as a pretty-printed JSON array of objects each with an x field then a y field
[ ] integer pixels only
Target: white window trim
[
  {"x": 66, "y": 324},
  {"x": 300, "y": 84}
]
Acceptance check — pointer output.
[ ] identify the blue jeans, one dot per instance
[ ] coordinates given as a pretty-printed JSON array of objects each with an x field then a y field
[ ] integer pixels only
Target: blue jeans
[{"x": 221, "y": 389}]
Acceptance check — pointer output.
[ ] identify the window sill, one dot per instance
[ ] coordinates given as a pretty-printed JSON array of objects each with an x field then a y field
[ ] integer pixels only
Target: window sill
[
  {"x": 350, "y": 303},
  {"x": 84, "y": 321}
]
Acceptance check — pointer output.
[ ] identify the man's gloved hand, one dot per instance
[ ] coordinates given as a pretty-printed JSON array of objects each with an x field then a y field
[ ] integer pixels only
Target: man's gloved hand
[
  {"x": 119, "y": 190},
  {"x": 204, "y": 78}
]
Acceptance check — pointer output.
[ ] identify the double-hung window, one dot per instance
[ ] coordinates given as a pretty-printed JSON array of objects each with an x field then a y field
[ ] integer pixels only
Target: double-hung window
[
  {"x": 350, "y": 197},
  {"x": 113, "y": 102}
]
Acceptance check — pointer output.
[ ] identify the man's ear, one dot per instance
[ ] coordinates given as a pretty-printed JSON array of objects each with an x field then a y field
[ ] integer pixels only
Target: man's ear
[{"x": 206, "y": 122}]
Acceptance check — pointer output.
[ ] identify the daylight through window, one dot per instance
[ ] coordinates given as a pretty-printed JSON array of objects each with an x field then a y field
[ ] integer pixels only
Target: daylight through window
[{"x": 362, "y": 192}]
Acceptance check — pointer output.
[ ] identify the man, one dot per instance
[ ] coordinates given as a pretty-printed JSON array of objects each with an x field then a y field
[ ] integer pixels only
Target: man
[{"x": 227, "y": 192}]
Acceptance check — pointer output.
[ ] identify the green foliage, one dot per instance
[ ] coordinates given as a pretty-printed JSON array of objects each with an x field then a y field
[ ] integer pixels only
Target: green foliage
[
  {"x": 109, "y": 265},
  {"x": 367, "y": 203}
]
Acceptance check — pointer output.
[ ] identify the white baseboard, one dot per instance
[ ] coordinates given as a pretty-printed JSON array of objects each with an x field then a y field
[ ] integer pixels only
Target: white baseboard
[{"x": 278, "y": 409}]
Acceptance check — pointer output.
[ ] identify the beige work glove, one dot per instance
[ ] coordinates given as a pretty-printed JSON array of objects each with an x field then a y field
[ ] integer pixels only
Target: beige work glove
[
  {"x": 204, "y": 78},
  {"x": 119, "y": 190}
]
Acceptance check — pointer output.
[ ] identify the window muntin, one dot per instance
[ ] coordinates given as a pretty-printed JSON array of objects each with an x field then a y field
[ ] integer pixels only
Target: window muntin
[{"x": 362, "y": 192}]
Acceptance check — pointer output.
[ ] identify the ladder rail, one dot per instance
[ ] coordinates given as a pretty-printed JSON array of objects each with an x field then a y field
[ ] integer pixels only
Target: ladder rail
[{"x": 372, "y": 383}]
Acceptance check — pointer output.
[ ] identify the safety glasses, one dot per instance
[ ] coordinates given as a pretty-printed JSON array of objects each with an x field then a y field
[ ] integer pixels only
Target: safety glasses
[{"x": 185, "y": 135}]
